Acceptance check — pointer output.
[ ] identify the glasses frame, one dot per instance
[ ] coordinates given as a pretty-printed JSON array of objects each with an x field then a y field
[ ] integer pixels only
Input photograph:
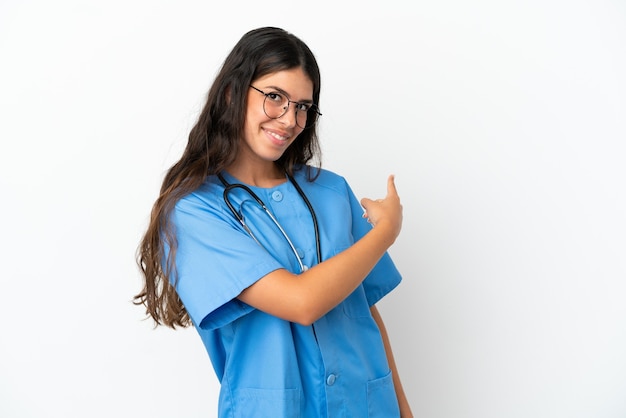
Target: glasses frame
[{"x": 313, "y": 107}]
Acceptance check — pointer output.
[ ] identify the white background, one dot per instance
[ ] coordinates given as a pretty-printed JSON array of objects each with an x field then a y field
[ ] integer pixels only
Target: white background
[{"x": 504, "y": 122}]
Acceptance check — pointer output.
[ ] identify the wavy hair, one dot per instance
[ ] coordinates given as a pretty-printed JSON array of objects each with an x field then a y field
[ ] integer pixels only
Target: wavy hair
[{"x": 212, "y": 145}]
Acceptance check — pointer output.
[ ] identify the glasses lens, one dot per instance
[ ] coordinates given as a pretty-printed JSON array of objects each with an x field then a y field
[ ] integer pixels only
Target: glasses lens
[
  {"x": 306, "y": 119},
  {"x": 276, "y": 105}
]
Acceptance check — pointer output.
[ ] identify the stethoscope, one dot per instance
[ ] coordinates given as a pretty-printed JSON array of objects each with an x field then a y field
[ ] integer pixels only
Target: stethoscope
[{"x": 229, "y": 187}]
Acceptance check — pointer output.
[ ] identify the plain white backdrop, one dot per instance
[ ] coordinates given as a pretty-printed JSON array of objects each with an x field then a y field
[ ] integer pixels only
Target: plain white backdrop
[{"x": 504, "y": 122}]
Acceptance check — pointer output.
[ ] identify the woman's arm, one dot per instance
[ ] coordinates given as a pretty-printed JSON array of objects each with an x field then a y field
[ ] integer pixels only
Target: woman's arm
[
  {"x": 405, "y": 409},
  {"x": 306, "y": 297}
]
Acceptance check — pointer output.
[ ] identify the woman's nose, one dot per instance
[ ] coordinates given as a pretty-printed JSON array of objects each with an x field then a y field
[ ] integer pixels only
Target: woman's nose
[{"x": 290, "y": 115}]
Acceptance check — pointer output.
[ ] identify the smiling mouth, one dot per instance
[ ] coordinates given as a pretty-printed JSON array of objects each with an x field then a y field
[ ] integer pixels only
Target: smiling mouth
[{"x": 277, "y": 136}]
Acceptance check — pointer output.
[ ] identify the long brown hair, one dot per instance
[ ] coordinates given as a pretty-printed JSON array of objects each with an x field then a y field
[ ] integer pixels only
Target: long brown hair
[{"x": 212, "y": 145}]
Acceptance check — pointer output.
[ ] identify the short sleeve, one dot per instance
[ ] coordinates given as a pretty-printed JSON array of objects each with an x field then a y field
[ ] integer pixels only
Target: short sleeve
[
  {"x": 384, "y": 277},
  {"x": 215, "y": 261}
]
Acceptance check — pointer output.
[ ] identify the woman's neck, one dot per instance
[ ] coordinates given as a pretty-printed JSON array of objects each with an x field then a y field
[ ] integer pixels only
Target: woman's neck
[{"x": 265, "y": 176}]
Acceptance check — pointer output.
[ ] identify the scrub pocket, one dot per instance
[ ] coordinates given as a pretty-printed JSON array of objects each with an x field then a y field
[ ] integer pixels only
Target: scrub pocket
[
  {"x": 381, "y": 398},
  {"x": 267, "y": 403}
]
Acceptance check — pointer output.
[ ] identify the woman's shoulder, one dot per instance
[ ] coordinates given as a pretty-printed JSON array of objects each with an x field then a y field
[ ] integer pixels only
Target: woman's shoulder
[
  {"x": 207, "y": 195},
  {"x": 321, "y": 178}
]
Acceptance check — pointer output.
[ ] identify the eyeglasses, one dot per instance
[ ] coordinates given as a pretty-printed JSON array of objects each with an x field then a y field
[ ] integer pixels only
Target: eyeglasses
[{"x": 276, "y": 105}]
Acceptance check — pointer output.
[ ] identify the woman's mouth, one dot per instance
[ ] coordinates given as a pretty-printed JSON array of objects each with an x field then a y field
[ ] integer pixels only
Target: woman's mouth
[{"x": 277, "y": 136}]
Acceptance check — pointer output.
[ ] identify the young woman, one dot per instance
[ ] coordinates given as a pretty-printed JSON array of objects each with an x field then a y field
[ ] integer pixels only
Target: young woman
[{"x": 271, "y": 258}]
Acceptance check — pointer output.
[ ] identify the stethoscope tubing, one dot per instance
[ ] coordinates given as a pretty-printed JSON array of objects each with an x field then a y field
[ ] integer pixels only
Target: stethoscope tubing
[
  {"x": 318, "y": 246},
  {"x": 228, "y": 187}
]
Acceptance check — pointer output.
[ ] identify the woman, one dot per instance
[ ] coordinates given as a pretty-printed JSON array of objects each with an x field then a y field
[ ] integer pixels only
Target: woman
[{"x": 271, "y": 258}]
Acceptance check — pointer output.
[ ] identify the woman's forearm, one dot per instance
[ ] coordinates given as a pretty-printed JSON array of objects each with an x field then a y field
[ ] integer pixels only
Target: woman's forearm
[{"x": 306, "y": 297}]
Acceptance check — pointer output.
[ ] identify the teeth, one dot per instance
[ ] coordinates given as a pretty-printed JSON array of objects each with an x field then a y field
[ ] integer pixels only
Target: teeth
[{"x": 280, "y": 138}]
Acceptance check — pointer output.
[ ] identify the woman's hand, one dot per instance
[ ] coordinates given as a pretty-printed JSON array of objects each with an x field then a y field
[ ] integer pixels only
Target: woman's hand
[{"x": 385, "y": 212}]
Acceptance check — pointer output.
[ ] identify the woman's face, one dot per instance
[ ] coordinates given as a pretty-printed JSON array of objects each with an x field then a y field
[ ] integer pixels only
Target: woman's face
[{"x": 266, "y": 139}]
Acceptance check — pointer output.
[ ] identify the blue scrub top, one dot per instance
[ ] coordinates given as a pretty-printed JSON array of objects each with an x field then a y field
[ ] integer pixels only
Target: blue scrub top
[{"x": 269, "y": 367}]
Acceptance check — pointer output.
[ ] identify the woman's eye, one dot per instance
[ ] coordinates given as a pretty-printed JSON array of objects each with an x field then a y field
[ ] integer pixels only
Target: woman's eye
[
  {"x": 303, "y": 107},
  {"x": 275, "y": 97}
]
